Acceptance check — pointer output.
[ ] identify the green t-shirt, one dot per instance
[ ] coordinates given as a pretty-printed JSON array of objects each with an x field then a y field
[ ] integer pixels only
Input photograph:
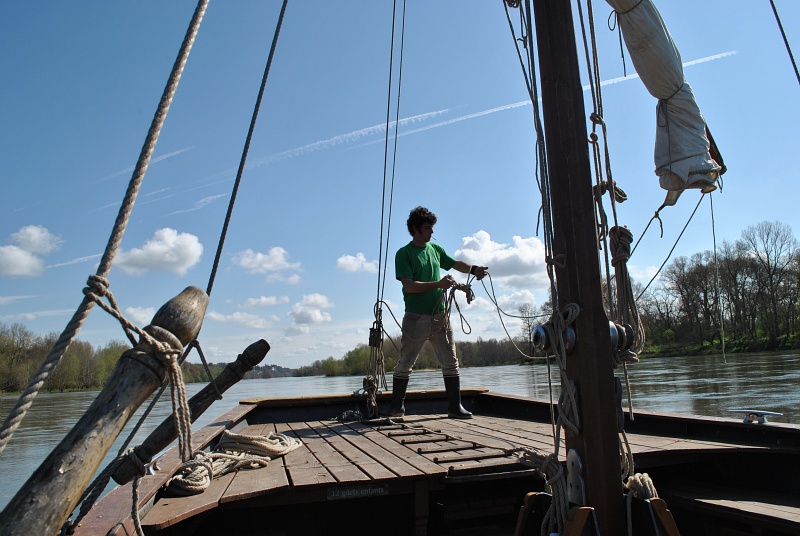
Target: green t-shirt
[{"x": 422, "y": 264}]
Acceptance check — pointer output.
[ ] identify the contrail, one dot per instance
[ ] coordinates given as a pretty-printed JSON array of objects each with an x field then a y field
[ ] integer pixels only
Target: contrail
[
  {"x": 75, "y": 261},
  {"x": 156, "y": 160},
  {"x": 686, "y": 64},
  {"x": 343, "y": 138},
  {"x": 527, "y": 102},
  {"x": 356, "y": 135}
]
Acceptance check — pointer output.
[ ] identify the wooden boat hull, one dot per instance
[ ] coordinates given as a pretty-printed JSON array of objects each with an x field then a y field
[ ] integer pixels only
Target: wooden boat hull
[{"x": 434, "y": 475}]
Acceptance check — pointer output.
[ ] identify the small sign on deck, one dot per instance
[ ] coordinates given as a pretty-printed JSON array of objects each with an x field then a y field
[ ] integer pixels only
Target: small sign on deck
[{"x": 357, "y": 492}]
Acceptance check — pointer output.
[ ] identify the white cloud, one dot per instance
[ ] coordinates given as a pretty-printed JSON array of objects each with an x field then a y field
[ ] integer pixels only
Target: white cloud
[
  {"x": 141, "y": 316},
  {"x": 310, "y": 310},
  {"x": 510, "y": 303},
  {"x": 291, "y": 279},
  {"x": 274, "y": 263},
  {"x": 36, "y": 239},
  {"x": 642, "y": 275},
  {"x": 21, "y": 257},
  {"x": 15, "y": 261},
  {"x": 243, "y": 319},
  {"x": 520, "y": 265},
  {"x": 264, "y": 301},
  {"x": 359, "y": 263},
  {"x": 168, "y": 250}
]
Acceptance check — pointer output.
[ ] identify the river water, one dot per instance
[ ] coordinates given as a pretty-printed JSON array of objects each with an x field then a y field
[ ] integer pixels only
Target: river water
[{"x": 710, "y": 386}]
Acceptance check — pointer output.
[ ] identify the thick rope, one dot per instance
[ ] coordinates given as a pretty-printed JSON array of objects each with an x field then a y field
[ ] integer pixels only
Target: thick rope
[
  {"x": 627, "y": 311},
  {"x": 81, "y": 314},
  {"x": 246, "y": 149},
  {"x": 555, "y": 519},
  {"x": 233, "y": 452}
]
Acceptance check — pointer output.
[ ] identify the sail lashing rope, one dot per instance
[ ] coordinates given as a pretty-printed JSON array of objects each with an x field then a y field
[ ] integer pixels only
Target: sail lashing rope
[{"x": 376, "y": 376}]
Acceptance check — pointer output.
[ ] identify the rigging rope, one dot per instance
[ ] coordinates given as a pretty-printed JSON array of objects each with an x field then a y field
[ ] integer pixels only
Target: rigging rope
[
  {"x": 175, "y": 380},
  {"x": 785, "y": 40},
  {"x": 246, "y": 147},
  {"x": 376, "y": 376},
  {"x": 720, "y": 310},
  {"x": 81, "y": 314},
  {"x": 555, "y": 518}
]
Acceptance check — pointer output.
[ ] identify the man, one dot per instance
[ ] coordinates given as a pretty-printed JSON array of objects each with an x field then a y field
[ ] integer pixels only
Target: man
[{"x": 417, "y": 266}]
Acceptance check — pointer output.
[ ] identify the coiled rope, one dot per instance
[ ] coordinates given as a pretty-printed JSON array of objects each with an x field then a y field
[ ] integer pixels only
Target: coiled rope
[{"x": 233, "y": 452}]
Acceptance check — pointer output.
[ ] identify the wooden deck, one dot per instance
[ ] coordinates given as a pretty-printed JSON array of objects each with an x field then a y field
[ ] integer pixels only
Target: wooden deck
[
  {"x": 353, "y": 460},
  {"x": 411, "y": 462}
]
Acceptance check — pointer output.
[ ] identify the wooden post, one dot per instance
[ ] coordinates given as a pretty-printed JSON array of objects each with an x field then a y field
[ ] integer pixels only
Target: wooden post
[
  {"x": 50, "y": 495},
  {"x": 161, "y": 437},
  {"x": 579, "y": 279}
]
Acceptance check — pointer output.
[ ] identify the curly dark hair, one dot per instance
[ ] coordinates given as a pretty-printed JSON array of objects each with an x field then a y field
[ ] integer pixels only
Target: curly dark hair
[{"x": 418, "y": 217}]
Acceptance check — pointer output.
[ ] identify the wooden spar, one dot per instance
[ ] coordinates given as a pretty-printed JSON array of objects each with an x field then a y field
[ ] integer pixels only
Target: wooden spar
[
  {"x": 589, "y": 366},
  {"x": 50, "y": 495},
  {"x": 166, "y": 433}
]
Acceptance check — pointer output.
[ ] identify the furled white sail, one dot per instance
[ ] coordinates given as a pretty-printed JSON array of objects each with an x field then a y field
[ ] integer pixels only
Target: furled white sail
[{"x": 682, "y": 155}]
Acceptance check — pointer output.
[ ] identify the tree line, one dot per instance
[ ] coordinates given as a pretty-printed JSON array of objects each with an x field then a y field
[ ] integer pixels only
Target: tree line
[
  {"x": 746, "y": 292},
  {"x": 83, "y": 366}
]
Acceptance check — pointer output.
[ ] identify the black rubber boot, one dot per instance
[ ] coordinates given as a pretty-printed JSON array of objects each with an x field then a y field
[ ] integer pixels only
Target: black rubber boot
[
  {"x": 399, "y": 386},
  {"x": 452, "y": 385}
]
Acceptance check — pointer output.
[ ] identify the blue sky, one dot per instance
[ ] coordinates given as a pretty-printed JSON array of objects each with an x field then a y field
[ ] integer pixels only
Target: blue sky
[{"x": 81, "y": 82}]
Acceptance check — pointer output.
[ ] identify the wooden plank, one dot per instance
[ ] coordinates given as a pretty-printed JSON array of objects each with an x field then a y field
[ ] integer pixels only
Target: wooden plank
[
  {"x": 303, "y": 468},
  {"x": 342, "y": 469},
  {"x": 350, "y": 449},
  {"x": 112, "y": 513},
  {"x": 393, "y": 464},
  {"x": 769, "y": 504},
  {"x": 492, "y": 433},
  {"x": 254, "y": 482},
  {"x": 171, "y": 510},
  {"x": 410, "y": 456}
]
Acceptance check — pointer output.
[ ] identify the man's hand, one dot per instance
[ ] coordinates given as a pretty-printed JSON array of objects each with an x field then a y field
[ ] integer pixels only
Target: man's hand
[
  {"x": 447, "y": 282},
  {"x": 479, "y": 271}
]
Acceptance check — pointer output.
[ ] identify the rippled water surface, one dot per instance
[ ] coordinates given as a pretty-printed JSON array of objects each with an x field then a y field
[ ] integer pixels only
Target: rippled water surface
[{"x": 710, "y": 386}]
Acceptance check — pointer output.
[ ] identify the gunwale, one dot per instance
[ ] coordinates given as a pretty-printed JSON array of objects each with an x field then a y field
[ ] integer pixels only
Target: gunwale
[{"x": 397, "y": 460}]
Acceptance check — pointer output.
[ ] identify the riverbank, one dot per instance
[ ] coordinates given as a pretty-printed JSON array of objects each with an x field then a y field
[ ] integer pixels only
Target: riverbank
[{"x": 781, "y": 345}]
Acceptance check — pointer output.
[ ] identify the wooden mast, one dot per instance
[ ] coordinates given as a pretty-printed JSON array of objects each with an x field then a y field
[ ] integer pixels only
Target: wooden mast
[{"x": 589, "y": 366}]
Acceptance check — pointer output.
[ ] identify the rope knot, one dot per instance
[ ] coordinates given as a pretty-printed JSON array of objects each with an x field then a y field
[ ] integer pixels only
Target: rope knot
[
  {"x": 137, "y": 461},
  {"x": 621, "y": 239},
  {"x": 97, "y": 285}
]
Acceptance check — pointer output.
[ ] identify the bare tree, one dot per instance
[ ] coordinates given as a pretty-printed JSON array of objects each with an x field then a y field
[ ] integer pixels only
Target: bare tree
[{"x": 773, "y": 247}]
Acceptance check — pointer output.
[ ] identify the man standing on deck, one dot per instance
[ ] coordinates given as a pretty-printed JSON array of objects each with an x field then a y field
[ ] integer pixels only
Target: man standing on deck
[{"x": 417, "y": 267}]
